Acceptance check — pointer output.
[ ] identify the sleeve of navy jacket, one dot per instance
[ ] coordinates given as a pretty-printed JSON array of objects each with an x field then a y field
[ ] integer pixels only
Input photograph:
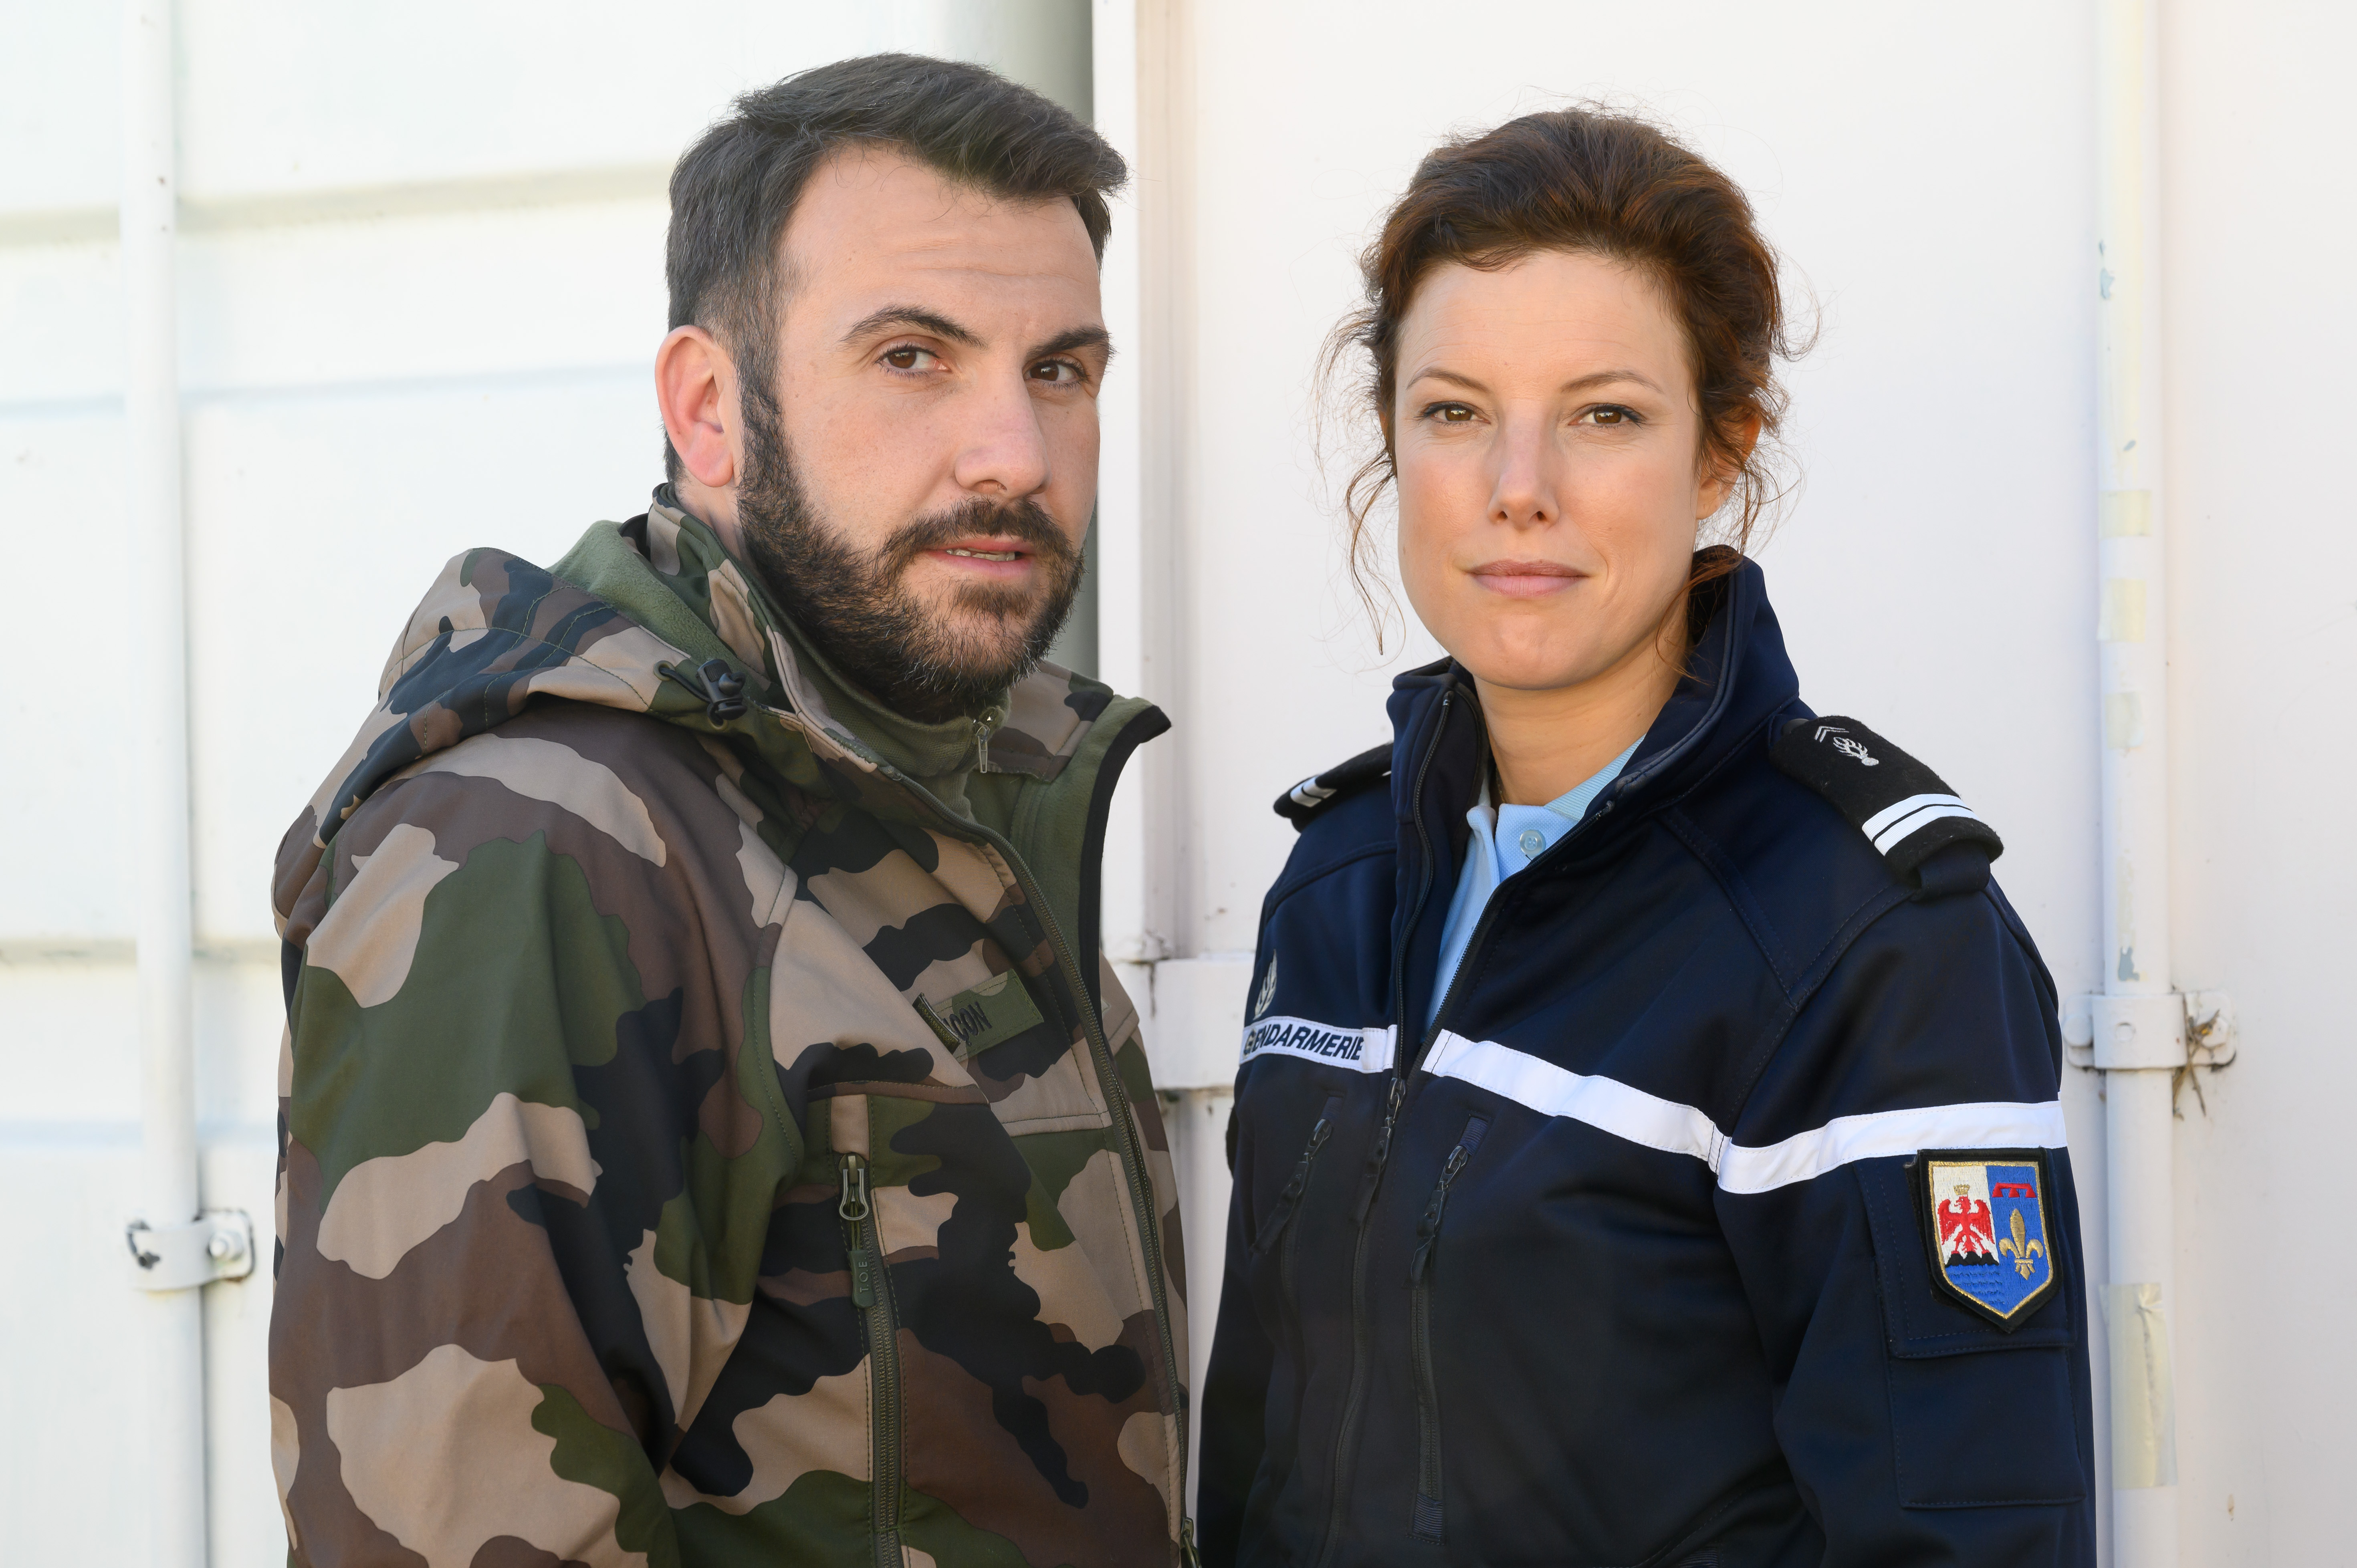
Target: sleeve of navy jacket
[{"x": 1918, "y": 1428}]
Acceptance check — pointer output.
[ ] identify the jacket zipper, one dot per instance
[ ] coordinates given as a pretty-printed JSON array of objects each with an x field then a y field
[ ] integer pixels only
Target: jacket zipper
[
  {"x": 1426, "y": 1518},
  {"x": 1125, "y": 1125},
  {"x": 1281, "y": 1229},
  {"x": 1370, "y": 1180},
  {"x": 871, "y": 1293}
]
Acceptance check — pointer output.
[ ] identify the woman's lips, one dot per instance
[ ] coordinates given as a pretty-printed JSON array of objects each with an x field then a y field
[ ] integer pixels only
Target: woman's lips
[{"x": 1525, "y": 579}]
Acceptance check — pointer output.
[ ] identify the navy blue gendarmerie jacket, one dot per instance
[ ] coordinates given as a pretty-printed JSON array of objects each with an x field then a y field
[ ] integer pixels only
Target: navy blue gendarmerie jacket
[{"x": 1722, "y": 1216}]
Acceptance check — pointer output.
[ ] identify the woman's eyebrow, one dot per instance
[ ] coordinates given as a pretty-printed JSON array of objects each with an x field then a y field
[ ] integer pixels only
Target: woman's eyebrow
[
  {"x": 1578, "y": 383},
  {"x": 1602, "y": 378}
]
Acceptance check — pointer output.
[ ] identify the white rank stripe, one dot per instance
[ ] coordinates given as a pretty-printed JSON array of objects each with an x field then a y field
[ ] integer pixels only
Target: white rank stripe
[
  {"x": 1366, "y": 1050},
  {"x": 1894, "y": 824},
  {"x": 1611, "y": 1106}
]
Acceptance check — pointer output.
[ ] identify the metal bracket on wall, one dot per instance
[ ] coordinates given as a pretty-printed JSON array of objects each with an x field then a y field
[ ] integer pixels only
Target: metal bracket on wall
[
  {"x": 217, "y": 1245},
  {"x": 2177, "y": 1029}
]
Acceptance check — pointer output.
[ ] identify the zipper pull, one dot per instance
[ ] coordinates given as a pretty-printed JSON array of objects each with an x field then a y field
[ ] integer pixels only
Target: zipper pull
[
  {"x": 1381, "y": 1152},
  {"x": 1187, "y": 1555},
  {"x": 855, "y": 1209},
  {"x": 981, "y": 746},
  {"x": 1428, "y": 1230},
  {"x": 1290, "y": 1198}
]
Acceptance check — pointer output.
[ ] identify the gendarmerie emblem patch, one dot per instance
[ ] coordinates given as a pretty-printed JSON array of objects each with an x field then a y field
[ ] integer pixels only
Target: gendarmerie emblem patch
[{"x": 1984, "y": 1221}]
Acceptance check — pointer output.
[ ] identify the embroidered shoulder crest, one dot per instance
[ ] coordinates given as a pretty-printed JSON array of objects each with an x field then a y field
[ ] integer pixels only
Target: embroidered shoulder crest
[
  {"x": 1985, "y": 1226},
  {"x": 1307, "y": 798},
  {"x": 1902, "y": 807}
]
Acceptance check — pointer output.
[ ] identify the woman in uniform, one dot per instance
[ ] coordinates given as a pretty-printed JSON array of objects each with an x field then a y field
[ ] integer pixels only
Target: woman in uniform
[{"x": 1646, "y": 1147}]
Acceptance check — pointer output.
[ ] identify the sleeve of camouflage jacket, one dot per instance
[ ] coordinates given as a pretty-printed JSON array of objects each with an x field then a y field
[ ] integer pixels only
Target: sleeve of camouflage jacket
[{"x": 512, "y": 1049}]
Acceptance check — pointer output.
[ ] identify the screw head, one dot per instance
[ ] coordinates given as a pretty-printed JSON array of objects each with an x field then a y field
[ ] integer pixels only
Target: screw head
[{"x": 224, "y": 1246}]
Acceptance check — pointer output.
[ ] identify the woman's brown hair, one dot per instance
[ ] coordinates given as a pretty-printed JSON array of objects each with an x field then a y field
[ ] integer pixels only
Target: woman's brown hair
[{"x": 1611, "y": 184}]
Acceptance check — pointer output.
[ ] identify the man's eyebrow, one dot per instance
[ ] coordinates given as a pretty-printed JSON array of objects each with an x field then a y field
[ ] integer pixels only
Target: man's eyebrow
[
  {"x": 911, "y": 315},
  {"x": 1078, "y": 337}
]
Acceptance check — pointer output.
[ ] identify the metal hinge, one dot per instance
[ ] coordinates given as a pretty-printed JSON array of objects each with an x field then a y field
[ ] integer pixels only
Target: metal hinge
[
  {"x": 2174, "y": 1030},
  {"x": 216, "y": 1245}
]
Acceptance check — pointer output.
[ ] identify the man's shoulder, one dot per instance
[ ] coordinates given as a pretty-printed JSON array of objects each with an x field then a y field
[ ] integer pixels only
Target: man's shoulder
[{"x": 569, "y": 811}]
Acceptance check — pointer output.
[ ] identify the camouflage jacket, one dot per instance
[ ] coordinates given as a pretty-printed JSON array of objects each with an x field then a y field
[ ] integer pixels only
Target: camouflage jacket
[{"x": 701, "y": 1144}]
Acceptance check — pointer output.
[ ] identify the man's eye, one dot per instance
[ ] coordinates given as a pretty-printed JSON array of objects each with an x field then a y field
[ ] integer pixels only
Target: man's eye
[
  {"x": 906, "y": 358},
  {"x": 1061, "y": 372}
]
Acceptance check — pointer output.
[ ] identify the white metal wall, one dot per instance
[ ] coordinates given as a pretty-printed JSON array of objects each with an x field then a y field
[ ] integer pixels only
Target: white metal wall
[{"x": 421, "y": 284}]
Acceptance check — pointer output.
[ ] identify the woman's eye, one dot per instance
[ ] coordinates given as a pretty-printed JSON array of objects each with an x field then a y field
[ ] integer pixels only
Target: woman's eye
[
  {"x": 907, "y": 359},
  {"x": 1611, "y": 413},
  {"x": 1449, "y": 414}
]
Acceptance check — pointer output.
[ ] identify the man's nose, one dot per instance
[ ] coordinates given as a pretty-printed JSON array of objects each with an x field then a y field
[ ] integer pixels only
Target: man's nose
[{"x": 1003, "y": 451}]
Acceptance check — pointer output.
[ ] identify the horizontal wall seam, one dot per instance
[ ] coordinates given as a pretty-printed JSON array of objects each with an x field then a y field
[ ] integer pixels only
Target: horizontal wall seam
[{"x": 552, "y": 187}]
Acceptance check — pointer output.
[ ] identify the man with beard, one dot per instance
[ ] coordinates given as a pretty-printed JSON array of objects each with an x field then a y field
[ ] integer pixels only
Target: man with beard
[{"x": 710, "y": 1133}]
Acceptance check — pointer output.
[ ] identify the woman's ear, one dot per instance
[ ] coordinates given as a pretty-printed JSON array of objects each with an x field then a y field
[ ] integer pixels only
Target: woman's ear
[{"x": 1722, "y": 469}]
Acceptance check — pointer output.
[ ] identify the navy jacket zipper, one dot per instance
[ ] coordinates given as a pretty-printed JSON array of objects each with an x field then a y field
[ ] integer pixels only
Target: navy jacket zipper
[
  {"x": 1426, "y": 1518},
  {"x": 1370, "y": 1180},
  {"x": 1281, "y": 1229}
]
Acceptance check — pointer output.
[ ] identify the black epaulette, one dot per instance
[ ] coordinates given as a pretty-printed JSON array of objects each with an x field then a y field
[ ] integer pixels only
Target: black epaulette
[
  {"x": 1313, "y": 794},
  {"x": 1902, "y": 807}
]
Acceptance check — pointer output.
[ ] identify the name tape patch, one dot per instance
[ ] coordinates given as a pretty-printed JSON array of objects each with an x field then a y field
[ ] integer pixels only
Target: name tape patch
[{"x": 1366, "y": 1050}]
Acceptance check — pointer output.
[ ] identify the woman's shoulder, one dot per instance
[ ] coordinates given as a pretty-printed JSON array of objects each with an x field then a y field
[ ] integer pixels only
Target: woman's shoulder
[
  {"x": 1342, "y": 815},
  {"x": 1825, "y": 823}
]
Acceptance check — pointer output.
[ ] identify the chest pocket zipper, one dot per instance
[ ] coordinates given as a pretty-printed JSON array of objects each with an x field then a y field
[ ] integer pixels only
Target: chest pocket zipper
[
  {"x": 1280, "y": 1230},
  {"x": 871, "y": 1293},
  {"x": 1425, "y": 1520}
]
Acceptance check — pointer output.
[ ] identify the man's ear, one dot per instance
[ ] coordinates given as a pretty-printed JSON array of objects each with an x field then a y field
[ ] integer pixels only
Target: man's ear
[{"x": 696, "y": 384}]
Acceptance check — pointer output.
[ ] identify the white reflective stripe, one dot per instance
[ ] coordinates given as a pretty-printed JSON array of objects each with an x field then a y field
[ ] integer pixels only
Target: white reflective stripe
[
  {"x": 1368, "y": 1050},
  {"x": 1875, "y": 825},
  {"x": 1988, "y": 1125},
  {"x": 1893, "y": 836},
  {"x": 1602, "y": 1102},
  {"x": 1611, "y": 1106}
]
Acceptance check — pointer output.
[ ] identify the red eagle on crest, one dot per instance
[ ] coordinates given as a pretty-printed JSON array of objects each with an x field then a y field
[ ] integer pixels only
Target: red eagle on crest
[{"x": 1966, "y": 1236}]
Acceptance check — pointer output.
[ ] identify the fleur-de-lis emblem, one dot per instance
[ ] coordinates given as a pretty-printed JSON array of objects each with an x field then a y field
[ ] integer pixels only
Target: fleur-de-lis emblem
[
  {"x": 2022, "y": 1248},
  {"x": 1849, "y": 748}
]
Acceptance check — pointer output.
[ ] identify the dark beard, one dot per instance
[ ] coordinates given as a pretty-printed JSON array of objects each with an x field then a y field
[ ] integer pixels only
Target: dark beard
[{"x": 853, "y": 607}]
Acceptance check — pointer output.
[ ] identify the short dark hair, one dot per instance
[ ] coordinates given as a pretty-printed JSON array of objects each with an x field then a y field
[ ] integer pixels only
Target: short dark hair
[{"x": 733, "y": 191}]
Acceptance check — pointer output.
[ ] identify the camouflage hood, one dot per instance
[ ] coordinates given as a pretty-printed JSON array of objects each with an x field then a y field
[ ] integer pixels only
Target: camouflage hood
[{"x": 710, "y": 1132}]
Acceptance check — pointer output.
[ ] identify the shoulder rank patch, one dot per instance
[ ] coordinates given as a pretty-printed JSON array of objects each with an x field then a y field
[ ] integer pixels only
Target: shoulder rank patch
[
  {"x": 1901, "y": 806},
  {"x": 1301, "y": 802},
  {"x": 1985, "y": 1223}
]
